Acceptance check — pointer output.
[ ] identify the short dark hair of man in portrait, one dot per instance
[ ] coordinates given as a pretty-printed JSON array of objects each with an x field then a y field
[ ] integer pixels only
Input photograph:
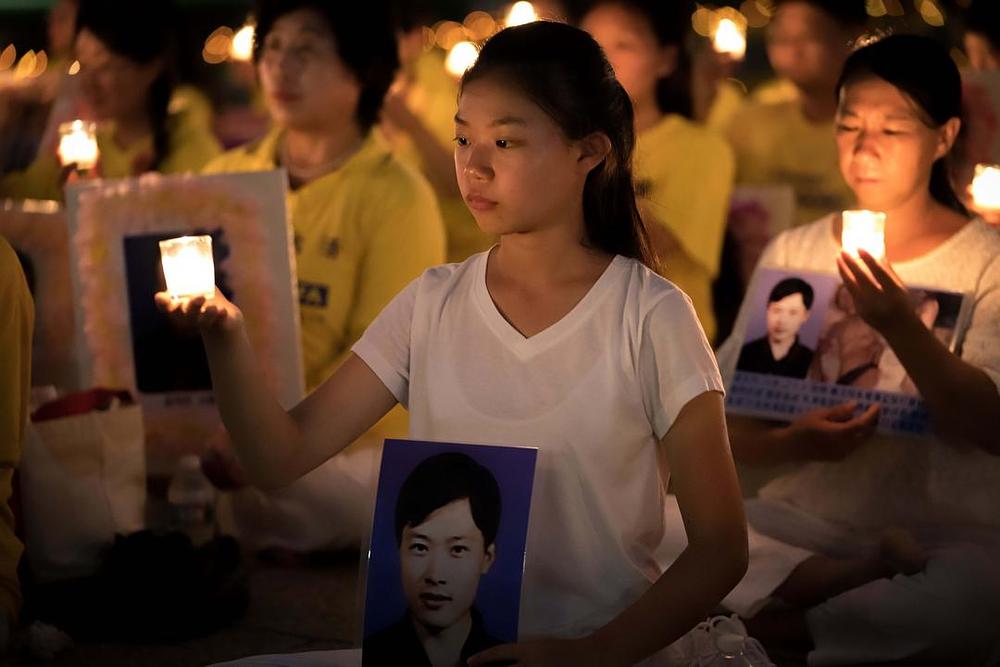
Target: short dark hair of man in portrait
[
  {"x": 446, "y": 521},
  {"x": 779, "y": 352}
]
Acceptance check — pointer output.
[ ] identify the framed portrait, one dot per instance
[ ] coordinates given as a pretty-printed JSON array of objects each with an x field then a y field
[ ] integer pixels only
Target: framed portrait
[
  {"x": 447, "y": 551},
  {"x": 806, "y": 347},
  {"x": 124, "y": 341}
]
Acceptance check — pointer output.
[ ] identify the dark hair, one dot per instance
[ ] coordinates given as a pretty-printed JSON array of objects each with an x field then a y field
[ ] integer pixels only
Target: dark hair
[
  {"x": 364, "y": 39},
  {"x": 983, "y": 18},
  {"x": 790, "y": 286},
  {"x": 442, "y": 479},
  {"x": 922, "y": 70},
  {"x": 850, "y": 14},
  {"x": 563, "y": 70},
  {"x": 669, "y": 20},
  {"x": 143, "y": 33}
]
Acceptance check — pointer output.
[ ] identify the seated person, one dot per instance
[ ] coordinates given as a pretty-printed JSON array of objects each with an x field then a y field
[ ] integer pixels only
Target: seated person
[
  {"x": 779, "y": 352},
  {"x": 982, "y": 35},
  {"x": 418, "y": 120},
  {"x": 879, "y": 548},
  {"x": 684, "y": 171},
  {"x": 447, "y": 516},
  {"x": 792, "y": 141},
  {"x": 125, "y": 77},
  {"x": 15, "y": 369}
]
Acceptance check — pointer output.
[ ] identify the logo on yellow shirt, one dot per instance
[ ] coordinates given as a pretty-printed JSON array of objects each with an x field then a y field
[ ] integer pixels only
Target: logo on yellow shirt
[{"x": 313, "y": 295}]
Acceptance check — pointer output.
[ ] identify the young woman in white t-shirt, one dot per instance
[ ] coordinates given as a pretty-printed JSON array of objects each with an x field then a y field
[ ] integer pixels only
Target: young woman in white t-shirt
[{"x": 560, "y": 337}]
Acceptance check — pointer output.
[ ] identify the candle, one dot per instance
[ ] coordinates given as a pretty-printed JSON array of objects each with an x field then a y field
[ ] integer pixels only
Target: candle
[
  {"x": 863, "y": 229},
  {"x": 78, "y": 143},
  {"x": 188, "y": 266},
  {"x": 986, "y": 187},
  {"x": 730, "y": 38}
]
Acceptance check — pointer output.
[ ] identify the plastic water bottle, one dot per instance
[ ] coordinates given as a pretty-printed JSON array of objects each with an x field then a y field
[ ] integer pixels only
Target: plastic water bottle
[
  {"x": 192, "y": 501},
  {"x": 734, "y": 651}
]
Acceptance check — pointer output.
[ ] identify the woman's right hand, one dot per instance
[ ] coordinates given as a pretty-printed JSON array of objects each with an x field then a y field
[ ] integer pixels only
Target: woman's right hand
[
  {"x": 217, "y": 315},
  {"x": 830, "y": 434}
]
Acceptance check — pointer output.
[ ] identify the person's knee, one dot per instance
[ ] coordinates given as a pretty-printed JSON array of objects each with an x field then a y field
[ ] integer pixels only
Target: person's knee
[{"x": 943, "y": 615}]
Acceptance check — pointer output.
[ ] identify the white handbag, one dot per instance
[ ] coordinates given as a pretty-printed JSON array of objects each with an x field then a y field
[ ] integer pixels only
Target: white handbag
[{"x": 83, "y": 480}]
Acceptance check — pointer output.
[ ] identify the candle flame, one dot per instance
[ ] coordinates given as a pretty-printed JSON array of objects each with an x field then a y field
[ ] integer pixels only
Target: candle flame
[
  {"x": 78, "y": 144},
  {"x": 241, "y": 48},
  {"x": 730, "y": 38}
]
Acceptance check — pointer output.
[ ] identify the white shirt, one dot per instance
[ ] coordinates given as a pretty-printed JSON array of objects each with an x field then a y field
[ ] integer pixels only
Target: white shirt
[{"x": 594, "y": 393}]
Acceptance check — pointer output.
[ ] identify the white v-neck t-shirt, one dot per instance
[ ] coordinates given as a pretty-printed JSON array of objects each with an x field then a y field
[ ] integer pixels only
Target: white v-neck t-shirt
[{"x": 594, "y": 393}]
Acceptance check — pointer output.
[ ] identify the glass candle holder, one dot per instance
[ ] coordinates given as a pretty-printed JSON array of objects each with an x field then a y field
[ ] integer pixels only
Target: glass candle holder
[
  {"x": 985, "y": 187},
  {"x": 863, "y": 229},
  {"x": 188, "y": 266},
  {"x": 78, "y": 144}
]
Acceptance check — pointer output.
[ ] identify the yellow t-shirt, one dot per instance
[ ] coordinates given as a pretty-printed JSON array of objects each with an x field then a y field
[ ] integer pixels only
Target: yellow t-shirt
[
  {"x": 684, "y": 172},
  {"x": 191, "y": 146},
  {"x": 433, "y": 98},
  {"x": 774, "y": 144},
  {"x": 729, "y": 99},
  {"x": 775, "y": 91},
  {"x": 362, "y": 233},
  {"x": 16, "y": 321}
]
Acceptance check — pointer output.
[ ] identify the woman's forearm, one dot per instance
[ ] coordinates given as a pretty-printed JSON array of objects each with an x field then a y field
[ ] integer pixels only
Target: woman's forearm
[
  {"x": 263, "y": 434},
  {"x": 759, "y": 442},
  {"x": 682, "y": 597},
  {"x": 963, "y": 400}
]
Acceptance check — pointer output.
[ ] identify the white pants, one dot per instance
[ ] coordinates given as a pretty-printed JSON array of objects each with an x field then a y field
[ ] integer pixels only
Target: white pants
[{"x": 949, "y": 614}]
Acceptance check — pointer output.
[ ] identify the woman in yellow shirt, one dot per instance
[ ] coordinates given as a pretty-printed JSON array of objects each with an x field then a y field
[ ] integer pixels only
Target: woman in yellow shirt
[
  {"x": 365, "y": 225},
  {"x": 684, "y": 171},
  {"x": 124, "y": 54},
  {"x": 418, "y": 119}
]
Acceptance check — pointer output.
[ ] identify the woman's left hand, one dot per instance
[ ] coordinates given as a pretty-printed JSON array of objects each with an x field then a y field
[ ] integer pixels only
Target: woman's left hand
[
  {"x": 880, "y": 297},
  {"x": 582, "y": 652}
]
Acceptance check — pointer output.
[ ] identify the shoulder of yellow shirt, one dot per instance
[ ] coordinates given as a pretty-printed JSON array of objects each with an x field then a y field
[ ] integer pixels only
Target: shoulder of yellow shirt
[
  {"x": 379, "y": 169},
  {"x": 756, "y": 119},
  {"x": 688, "y": 135},
  {"x": 192, "y": 143}
]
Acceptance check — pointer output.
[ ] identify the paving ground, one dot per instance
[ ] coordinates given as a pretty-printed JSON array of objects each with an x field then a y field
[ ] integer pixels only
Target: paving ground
[{"x": 293, "y": 607}]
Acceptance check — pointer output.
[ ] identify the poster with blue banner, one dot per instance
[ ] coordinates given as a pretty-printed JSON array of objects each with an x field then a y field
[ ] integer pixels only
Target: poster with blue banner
[
  {"x": 806, "y": 347},
  {"x": 447, "y": 551}
]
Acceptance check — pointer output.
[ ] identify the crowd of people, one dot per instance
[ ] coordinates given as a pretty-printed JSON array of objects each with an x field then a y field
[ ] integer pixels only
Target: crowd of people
[{"x": 577, "y": 180}]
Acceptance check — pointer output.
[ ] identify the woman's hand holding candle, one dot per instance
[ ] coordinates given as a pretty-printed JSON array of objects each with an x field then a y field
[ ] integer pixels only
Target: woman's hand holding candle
[
  {"x": 879, "y": 295},
  {"x": 217, "y": 315}
]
